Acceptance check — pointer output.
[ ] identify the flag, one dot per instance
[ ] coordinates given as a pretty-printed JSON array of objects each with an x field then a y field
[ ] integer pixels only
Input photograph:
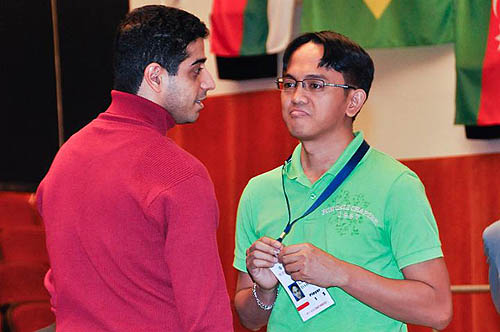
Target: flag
[
  {"x": 382, "y": 23},
  {"x": 246, "y": 35},
  {"x": 477, "y": 52}
]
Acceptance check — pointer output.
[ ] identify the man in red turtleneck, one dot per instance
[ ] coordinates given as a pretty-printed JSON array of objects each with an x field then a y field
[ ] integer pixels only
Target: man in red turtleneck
[{"x": 131, "y": 217}]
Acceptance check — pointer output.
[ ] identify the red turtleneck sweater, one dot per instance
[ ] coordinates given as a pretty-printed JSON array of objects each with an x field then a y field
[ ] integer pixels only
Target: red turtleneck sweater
[{"x": 131, "y": 224}]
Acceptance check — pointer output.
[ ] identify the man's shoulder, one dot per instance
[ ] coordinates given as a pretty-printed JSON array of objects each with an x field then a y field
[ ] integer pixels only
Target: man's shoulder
[
  {"x": 266, "y": 179},
  {"x": 385, "y": 173},
  {"x": 385, "y": 165},
  {"x": 165, "y": 159},
  {"x": 261, "y": 187},
  {"x": 492, "y": 232}
]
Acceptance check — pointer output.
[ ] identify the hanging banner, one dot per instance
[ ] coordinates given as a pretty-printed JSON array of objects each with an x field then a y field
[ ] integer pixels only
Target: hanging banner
[
  {"x": 246, "y": 35},
  {"x": 382, "y": 23},
  {"x": 477, "y": 52}
]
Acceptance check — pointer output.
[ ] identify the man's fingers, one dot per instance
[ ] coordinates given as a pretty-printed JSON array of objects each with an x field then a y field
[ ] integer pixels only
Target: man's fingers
[
  {"x": 289, "y": 259},
  {"x": 297, "y": 276},
  {"x": 291, "y": 253},
  {"x": 293, "y": 268},
  {"x": 271, "y": 242},
  {"x": 264, "y": 256},
  {"x": 267, "y": 245},
  {"x": 292, "y": 249},
  {"x": 260, "y": 263}
]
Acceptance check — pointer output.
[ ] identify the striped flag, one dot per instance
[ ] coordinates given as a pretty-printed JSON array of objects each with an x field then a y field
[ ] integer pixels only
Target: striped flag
[
  {"x": 248, "y": 30},
  {"x": 477, "y": 51},
  {"x": 250, "y": 27},
  {"x": 382, "y": 23}
]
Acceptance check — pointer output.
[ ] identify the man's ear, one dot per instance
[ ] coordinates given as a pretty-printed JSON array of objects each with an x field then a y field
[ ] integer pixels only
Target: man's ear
[
  {"x": 357, "y": 100},
  {"x": 152, "y": 76}
]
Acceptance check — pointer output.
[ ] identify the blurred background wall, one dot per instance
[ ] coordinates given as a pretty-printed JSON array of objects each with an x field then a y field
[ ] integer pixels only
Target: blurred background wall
[{"x": 409, "y": 115}]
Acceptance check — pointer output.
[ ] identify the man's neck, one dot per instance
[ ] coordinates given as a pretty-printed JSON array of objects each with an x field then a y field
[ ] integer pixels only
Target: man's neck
[{"x": 318, "y": 156}]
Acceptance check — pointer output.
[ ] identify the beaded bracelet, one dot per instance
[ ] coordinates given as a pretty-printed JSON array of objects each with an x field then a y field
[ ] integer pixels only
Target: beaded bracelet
[{"x": 259, "y": 302}]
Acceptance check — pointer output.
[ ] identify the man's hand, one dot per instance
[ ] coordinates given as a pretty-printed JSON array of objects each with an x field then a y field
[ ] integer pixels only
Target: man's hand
[
  {"x": 308, "y": 263},
  {"x": 262, "y": 255}
]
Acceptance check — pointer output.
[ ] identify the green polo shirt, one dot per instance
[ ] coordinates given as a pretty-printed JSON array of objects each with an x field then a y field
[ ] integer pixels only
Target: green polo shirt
[{"x": 379, "y": 219}]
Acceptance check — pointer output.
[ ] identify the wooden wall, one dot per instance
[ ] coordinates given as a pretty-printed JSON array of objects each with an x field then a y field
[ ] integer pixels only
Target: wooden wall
[{"x": 239, "y": 136}]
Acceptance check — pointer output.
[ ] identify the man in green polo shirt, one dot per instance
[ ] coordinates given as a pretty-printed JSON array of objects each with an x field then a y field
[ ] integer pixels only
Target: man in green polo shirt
[{"x": 373, "y": 243}]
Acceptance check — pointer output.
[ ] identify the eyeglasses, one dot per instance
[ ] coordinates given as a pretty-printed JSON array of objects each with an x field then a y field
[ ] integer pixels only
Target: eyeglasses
[{"x": 288, "y": 84}]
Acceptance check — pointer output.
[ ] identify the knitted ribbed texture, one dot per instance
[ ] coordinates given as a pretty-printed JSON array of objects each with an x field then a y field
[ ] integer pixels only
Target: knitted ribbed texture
[{"x": 131, "y": 225}]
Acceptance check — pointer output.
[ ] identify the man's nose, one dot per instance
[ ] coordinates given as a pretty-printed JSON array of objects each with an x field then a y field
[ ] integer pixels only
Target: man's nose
[
  {"x": 208, "y": 82},
  {"x": 298, "y": 94}
]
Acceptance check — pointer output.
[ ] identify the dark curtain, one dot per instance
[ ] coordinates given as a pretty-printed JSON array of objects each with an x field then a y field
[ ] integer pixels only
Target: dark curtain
[
  {"x": 87, "y": 31},
  {"x": 28, "y": 129}
]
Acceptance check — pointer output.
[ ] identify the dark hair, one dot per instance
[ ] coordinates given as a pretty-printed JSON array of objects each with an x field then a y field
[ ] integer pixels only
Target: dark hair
[
  {"x": 152, "y": 34},
  {"x": 341, "y": 54}
]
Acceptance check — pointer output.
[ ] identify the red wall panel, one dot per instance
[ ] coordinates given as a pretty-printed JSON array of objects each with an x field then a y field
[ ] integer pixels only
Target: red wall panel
[{"x": 240, "y": 136}]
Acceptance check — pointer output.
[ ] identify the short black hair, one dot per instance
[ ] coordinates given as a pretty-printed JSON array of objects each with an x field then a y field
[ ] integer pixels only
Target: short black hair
[
  {"x": 341, "y": 54},
  {"x": 152, "y": 34}
]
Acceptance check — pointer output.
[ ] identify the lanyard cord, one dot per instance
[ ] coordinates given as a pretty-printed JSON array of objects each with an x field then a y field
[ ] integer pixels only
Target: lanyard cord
[
  {"x": 330, "y": 189},
  {"x": 288, "y": 224}
]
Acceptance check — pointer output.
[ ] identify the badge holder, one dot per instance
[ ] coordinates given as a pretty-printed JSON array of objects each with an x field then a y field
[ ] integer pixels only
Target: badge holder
[{"x": 309, "y": 299}]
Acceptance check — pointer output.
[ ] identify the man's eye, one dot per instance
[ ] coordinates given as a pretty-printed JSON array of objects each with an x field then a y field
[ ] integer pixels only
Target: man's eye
[
  {"x": 315, "y": 85},
  {"x": 289, "y": 85},
  {"x": 198, "y": 70}
]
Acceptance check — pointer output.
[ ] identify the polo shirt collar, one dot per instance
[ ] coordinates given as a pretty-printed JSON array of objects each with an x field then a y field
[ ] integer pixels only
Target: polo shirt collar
[
  {"x": 294, "y": 168},
  {"x": 132, "y": 108}
]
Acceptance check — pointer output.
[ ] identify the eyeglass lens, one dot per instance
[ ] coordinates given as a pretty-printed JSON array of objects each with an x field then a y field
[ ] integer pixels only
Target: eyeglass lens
[{"x": 308, "y": 84}]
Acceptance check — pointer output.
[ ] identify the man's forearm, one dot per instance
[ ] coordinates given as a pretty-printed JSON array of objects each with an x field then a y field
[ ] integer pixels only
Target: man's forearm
[
  {"x": 411, "y": 301},
  {"x": 423, "y": 297},
  {"x": 251, "y": 315}
]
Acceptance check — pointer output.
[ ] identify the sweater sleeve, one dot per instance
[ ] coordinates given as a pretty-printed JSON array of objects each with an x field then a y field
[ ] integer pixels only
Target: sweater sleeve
[{"x": 190, "y": 214}]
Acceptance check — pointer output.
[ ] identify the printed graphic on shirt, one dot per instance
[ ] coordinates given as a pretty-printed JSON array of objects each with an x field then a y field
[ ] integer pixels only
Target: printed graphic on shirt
[{"x": 348, "y": 212}]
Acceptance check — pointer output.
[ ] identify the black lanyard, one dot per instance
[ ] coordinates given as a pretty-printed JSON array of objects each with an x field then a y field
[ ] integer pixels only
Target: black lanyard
[{"x": 336, "y": 182}]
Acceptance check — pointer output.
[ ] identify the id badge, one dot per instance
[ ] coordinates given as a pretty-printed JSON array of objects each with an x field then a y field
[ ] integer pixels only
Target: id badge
[{"x": 309, "y": 299}]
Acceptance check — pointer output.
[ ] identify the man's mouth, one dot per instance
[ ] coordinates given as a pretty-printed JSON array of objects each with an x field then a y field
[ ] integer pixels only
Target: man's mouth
[
  {"x": 298, "y": 113},
  {"x": 199, "y": 102}
]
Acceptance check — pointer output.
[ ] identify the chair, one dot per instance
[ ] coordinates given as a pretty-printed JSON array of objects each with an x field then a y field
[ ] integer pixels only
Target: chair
[
  {"x": 29, "y": 316},
  {"x": 17, "y": 209},
  {"x": 22, "y": 282},
  {"x": 23, "y": 244}
]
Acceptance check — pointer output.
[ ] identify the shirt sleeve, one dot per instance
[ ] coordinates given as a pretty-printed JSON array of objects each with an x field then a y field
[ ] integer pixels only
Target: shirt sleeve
[
  {"x": 192, "y": 257},
  {"x": 412, "y": 228},
  {"x": 245, "y": 234},
  {"x": 491, "y": 241}
]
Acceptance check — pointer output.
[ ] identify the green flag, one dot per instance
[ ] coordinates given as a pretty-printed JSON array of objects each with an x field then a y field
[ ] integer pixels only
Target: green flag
[
  {"x": 382, "y": 23},
  {"x": 477, "y": 52}
]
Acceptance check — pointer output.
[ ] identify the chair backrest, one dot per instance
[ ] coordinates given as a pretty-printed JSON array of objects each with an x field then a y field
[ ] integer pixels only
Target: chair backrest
[
  {"x": 29, "y": 316},
  {"x": 21, "y": 282},
  {"x": 18, "y": 209},
  {"x": 23, "y": 244}
]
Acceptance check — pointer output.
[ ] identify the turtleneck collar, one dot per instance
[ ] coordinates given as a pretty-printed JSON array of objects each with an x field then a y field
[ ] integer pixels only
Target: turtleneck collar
[{"x": 138, "y": 109}]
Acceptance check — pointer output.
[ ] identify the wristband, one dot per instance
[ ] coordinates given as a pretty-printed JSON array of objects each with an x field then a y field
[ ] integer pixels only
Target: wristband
[{"x": 259, "y": 302}]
